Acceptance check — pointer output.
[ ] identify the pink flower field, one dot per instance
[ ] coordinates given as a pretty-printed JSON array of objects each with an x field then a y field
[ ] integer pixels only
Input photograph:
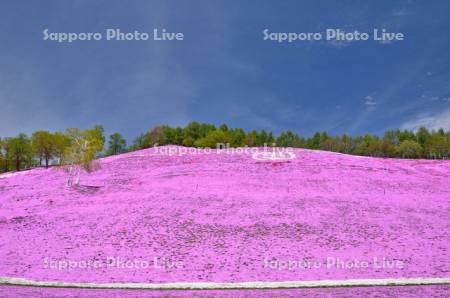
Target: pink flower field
[
  {"x": 410, "y": 291},
  {"x": 151, "y": 218}
]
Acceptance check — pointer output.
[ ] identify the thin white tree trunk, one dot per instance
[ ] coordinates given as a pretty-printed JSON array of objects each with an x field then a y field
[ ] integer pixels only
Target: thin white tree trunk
[
  {"x": 78, "y": 176},
  {"x": 69, "y": 177}
]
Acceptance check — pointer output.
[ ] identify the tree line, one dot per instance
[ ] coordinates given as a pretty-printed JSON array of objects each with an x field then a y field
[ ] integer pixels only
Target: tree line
[
  {"x": 74, "y": 146},
  {"x": 71, "y": 148}
]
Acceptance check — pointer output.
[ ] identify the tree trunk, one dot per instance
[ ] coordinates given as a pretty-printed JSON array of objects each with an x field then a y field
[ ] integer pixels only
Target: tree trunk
[
  {"x": 78, "y": 177},
  {"x": 69, "y": 177},
  {"x": 46, "y": 162}
]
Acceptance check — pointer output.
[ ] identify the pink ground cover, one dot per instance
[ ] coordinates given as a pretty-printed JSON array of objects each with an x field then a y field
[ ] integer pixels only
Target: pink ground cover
[
  {"x": 394, "y": 292},
  {"x": 227, "y": 217}
]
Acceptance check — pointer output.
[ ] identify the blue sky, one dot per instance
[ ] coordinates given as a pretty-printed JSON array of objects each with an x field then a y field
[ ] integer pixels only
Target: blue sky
[{"x": 223, "y": 70}]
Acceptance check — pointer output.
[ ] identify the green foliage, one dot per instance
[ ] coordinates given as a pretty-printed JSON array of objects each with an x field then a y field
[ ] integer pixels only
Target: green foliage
[
  {"x": 392, "y": 137},
  {"x": 251, "y": 139},
  {"x": 20, "y": 151},
  {"x": 82, "y": 150},
  {"x": 188, "y": 141},
  {"x": 223, "y": 127},
  {"x": 98, "y": 132},
  {"x": 237, "y": 137},
  {"x": 96, "y": 137},
  {"x": 205, "y": 129},
  {"x": 214, "y": 139},
  {"x": 262, "y": 138},
  {"x": 286, "y": 139},
  {"x": 326, "y": 143},
  {"x": 345, "y": 144},
  {"x": 314, "y": 142},
  {"x": 432, "y": 144},
  {"x": 192, "y": 132},
  {"x": 438, "y": 146},
  {"x": 409, "y": 149},
  {"x": 156, "y": 136},
  {"x": 77, "y": 148},
  {"x": 3, "y": 156},
  {"x": 388, "y": 149},
  {"x": 43, "y": 144},
  {"x": 369, "y": 145},
  {"x": 62, "y": 142},
  {"x": 422, "y": 136},
  {"x": 174, "y": 136},
  {"x": 138, "y": 143},
  {"x": 116, "y": 144}
]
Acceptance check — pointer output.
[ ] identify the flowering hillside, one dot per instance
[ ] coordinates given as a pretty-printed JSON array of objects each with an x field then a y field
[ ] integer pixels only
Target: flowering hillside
[{"x": 148, "y": 217}]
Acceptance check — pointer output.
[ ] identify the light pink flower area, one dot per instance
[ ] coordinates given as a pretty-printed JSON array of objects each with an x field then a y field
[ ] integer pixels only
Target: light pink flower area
[{"x": 223, "y": 217}]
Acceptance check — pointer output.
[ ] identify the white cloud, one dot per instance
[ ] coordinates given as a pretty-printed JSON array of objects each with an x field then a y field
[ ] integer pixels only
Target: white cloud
[
  {"x": 430, "y": 121},
  {"x": 435, "y": 98},
  {"x": 370, "y": 102}
]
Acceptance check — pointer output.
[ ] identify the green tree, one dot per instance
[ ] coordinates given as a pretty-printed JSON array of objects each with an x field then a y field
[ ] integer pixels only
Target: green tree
[
  {"x": 138, "y": 142},
  {"x": 368, "y": 145},
  {"x": 409, "y": 149},
  {"x": 62, "y": 142},
  {"x": 188, "y": 141},
  {"x": 3, "y": 156},
  {"x": 329, "y": 144},
  {"x": 224, "y": 127},
  {"x": 237, "y": 137},
  {"x": 214, "y": 139},
  {"x": 270, "y": 139},
  {"x": 286, "y": 139},
  {"x": 407, "y": 135},
  {"x": 345, "y": 144},
  {"x": 325, "y": 142},
  {"x": 262, "y": 138},
  {"x": 437, "y": 146},
  {"x": 173, "y": 136},
  {"x": 205, "y": 129},
  {"x": 84, "y": 147},
  {"x": 20, "y": 151},
  {"x": 116, "y": 144},
  {"x": 314, "y": 142},
  {"x": 156, "y": 136},
  {"x": 387, "y": 148},
  {"x": 178, "y": 136},
  {"x": 392, "y": 136},
  {"x": 98, "y": 132},
  {"x": 251, "y": 139},
  {"x": 422, "y": 135},
  {"x": 43, "y": 145},
  {"x": 191, "y": 133}
]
